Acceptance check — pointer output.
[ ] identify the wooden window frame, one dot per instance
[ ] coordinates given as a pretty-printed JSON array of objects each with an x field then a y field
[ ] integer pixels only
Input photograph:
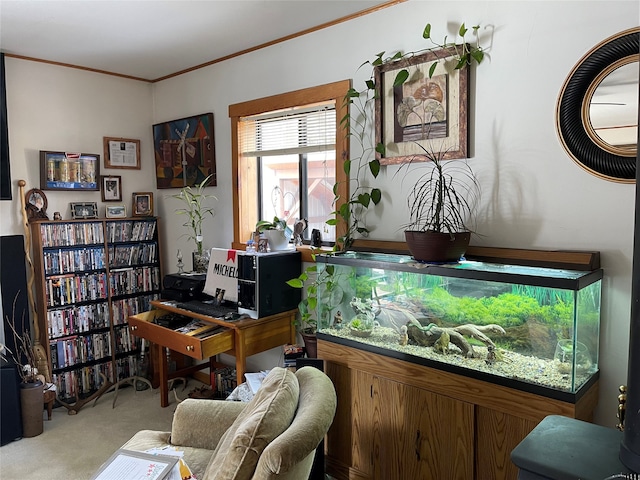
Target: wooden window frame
[{"x": 337, "y": 92}]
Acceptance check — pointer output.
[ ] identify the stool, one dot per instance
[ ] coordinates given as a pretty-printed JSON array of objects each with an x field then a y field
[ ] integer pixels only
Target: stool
[{"x": 49, "y": 398}]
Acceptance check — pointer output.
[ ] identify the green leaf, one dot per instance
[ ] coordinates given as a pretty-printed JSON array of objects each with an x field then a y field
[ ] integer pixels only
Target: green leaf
[
  {"x": 363, "y": 231},
  {"x": 371, "y": 85},
  {"x": 313, "y": 302},
  {"x": 364, "y": 199},
  {"x": 464, "y": 59},
  {"x": 463, "y": 30},
  {"x": 344, "y": 210},
  {"x": 295, "y": 283},
  {"x": 374, "y": 167},
  {"x": 346, "y": 166},
  {"x": 426, "y": 34},
  {"x": 380, "y": 149},
  {"x": 330, "y": 269},
  {"x": 376, "y": 195},
  {"x": 397, "y": 56},
  {"x": 331, "y": 221},
  {"x": 432, "y": 69},
  {"x": 478, "y": 55},
  {"x": 401, "y": 77}
]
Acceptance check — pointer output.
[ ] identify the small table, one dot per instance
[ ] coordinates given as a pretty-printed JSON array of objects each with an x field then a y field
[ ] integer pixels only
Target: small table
[{"x": 240, "y": 338}]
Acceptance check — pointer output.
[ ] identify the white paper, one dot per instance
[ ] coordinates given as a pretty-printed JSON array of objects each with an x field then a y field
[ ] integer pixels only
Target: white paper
[
  {"x": 124, "y": 465},
  {"x": 254, "y": 380},
  {"x": 123, "y": 154}
]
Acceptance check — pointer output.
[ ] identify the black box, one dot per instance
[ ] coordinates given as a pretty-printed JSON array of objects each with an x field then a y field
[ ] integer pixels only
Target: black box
[
  {"x": 183, "y": 286},
  {"x": 262, "y": 287}
]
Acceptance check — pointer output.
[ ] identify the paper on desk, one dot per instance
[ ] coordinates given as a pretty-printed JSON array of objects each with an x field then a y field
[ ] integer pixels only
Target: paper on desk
[{"x": 254, "y": 380}]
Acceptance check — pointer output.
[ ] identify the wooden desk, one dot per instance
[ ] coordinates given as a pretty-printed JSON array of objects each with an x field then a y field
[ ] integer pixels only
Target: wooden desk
[{"x": 241, "y": 339}]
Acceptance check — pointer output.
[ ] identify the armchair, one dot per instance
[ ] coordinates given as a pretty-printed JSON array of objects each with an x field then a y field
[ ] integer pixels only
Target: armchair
[{"x": 274, "y": 436}]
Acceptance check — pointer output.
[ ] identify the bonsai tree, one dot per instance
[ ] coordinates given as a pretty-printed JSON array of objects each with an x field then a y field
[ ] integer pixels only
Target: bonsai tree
[{"x": 194, "y": 208}]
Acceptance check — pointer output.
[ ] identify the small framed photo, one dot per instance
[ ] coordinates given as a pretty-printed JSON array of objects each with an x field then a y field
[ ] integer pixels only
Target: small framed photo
[
  {"x": 84, "y": 210},
  {"x": 116, "y": 211},
  {"x": 142, "y": 204},
  {"x": 121, "y": 153},
  {"x": 111, "y": 188}
]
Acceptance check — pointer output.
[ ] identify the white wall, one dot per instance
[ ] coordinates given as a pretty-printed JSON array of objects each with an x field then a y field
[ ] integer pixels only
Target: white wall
[
  {"x": 534, "y": 195},
  {"x": 69, "y": 110}
]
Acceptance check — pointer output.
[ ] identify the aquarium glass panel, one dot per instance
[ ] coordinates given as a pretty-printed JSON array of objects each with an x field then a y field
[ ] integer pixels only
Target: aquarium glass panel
[{"x": 490, "y": 323}]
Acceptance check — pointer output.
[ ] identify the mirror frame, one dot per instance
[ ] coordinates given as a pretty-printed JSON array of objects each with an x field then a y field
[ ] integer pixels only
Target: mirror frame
[{"x": 572, "y": 110}]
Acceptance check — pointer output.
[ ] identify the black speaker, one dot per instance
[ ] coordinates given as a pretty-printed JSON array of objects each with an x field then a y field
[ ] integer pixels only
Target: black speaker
[
  {"x": 13, "y": 285},
  {"x": 10, "y": 415}
]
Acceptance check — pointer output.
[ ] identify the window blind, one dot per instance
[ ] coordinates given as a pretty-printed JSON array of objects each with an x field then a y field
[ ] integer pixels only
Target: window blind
[{"x": 285, "y": 132}]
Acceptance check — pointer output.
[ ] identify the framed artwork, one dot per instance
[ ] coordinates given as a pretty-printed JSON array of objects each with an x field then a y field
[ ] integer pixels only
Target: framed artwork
[
  {"x": 84, "y": 210},
  {"x": 184, "y": 151},
  {"x": 69, "y": 171},
  {"x": 36, "y": 204},
  {"x": 121, "y": 153},
  {"x": 142, "y": 204},
  {"x": 116, "y": 211},
  {"x": 111, "y": 188},
  {"x": 428, "y": 110}
]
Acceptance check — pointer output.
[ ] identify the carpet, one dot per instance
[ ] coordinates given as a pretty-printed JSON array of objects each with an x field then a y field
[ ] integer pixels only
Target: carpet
[{"x": 74, "y": 446}]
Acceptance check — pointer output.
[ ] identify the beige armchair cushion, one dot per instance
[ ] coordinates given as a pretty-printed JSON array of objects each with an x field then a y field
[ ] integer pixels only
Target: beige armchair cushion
[{"x": 265, "y": 417}]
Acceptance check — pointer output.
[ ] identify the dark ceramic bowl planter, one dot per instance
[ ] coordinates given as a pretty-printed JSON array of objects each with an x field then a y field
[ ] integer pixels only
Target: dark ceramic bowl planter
[{"x": 437, "y": 246}]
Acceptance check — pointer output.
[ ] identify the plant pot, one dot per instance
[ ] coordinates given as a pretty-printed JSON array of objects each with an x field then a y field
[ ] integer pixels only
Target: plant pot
[
  {"x": 310, "y": 344},
  {"x": 201, "y": 261},
  {"x": 436, "y": 246},
  {"x": 277, "y": 240},
  {"x": 32, "y": 408}
]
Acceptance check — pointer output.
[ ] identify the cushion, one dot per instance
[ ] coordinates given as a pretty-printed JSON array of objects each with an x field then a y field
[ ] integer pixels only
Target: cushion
[{"x": 265, "y": 417}]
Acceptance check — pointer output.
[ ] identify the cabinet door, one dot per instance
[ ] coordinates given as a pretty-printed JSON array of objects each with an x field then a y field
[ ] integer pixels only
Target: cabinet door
[
  {"x": 420, "y": 434},
  {"x": 499, "y": 433}
]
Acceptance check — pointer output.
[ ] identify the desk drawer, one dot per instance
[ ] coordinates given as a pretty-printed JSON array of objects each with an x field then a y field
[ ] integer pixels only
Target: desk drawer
[{"x": 200, "y": 348}]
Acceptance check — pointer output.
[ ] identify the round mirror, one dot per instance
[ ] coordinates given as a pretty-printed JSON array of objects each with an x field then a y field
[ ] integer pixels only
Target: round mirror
[{"x": 597, "y": 110}]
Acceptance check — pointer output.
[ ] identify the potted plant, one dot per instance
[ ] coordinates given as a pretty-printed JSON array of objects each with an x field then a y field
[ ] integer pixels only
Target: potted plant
[
  {"x": 441, "y": 202},
  {"x": 196, "y": 211},
  {"x": 277, "y": 232},
  {"x": 31, "y": 382}
]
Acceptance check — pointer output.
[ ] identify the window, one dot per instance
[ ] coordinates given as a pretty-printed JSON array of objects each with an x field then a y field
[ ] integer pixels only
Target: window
[{"x": 284, "y": 159}]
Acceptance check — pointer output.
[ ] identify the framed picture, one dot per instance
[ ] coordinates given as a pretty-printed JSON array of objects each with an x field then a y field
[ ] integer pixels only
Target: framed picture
[
  {"x": 69, "y": 171},
  {"x": 84, "y": 210},
  {"x": 111, "y": 188},
  {"x": 142, "y": 204},
  {"x": 429, "y": 110},
  {"x": 36, "y": 204},
  {"x": 184, "y": 151},
  {"x": 116, "y": 211},
  {"x": 121, "y": 153}
]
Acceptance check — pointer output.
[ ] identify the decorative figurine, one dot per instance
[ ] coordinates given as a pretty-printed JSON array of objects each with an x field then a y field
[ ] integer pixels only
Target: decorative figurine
[
  {"x": 298, "y": 229},
  {"x": 180, "y": 264},
  {"x": 57, "y": 216},
  {"x": 491, "y": 355},
  {"x": 404, "y": 336},
  {"x": 442, "y": 344},
  {"x": 337, "y": 320}
]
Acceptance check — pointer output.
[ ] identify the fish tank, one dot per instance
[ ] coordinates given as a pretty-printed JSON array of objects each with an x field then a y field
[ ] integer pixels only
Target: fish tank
[{"x": 535, "y": 329}]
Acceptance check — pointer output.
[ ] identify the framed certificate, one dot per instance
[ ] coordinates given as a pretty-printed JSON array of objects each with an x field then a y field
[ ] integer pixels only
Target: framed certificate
[{"x": 121, "y": 153}]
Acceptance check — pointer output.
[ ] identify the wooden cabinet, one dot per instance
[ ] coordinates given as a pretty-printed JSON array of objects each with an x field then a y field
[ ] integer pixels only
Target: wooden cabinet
[
  {"x": 399, "y": 420},
  {"x": 90, "y": 276}
]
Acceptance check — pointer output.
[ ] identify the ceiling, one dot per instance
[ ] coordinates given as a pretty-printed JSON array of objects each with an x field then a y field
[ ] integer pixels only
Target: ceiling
[{"x": 153, "y": 39}]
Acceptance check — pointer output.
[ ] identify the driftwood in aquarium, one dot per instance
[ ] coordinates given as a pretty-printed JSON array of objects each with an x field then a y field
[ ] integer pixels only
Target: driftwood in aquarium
[{"x": 431, "y": 335}]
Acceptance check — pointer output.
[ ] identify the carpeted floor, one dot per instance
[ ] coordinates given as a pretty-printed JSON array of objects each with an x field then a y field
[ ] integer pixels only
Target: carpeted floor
[{"x": 74, "y": 446}]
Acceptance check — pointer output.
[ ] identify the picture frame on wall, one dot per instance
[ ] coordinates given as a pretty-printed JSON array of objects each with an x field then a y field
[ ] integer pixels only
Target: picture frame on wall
[
  {"x": 142, "y": 204},
  {"x": 121, "y": 153},
  {"x": 428, "y": 111},
  {"x": 69, "y": 171},
  {"x": 111, "y": 188},
  {"x": 116, "y": 211},
  {"x": 184, "y": 151},
  {"x": 84, "y": 210}
]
